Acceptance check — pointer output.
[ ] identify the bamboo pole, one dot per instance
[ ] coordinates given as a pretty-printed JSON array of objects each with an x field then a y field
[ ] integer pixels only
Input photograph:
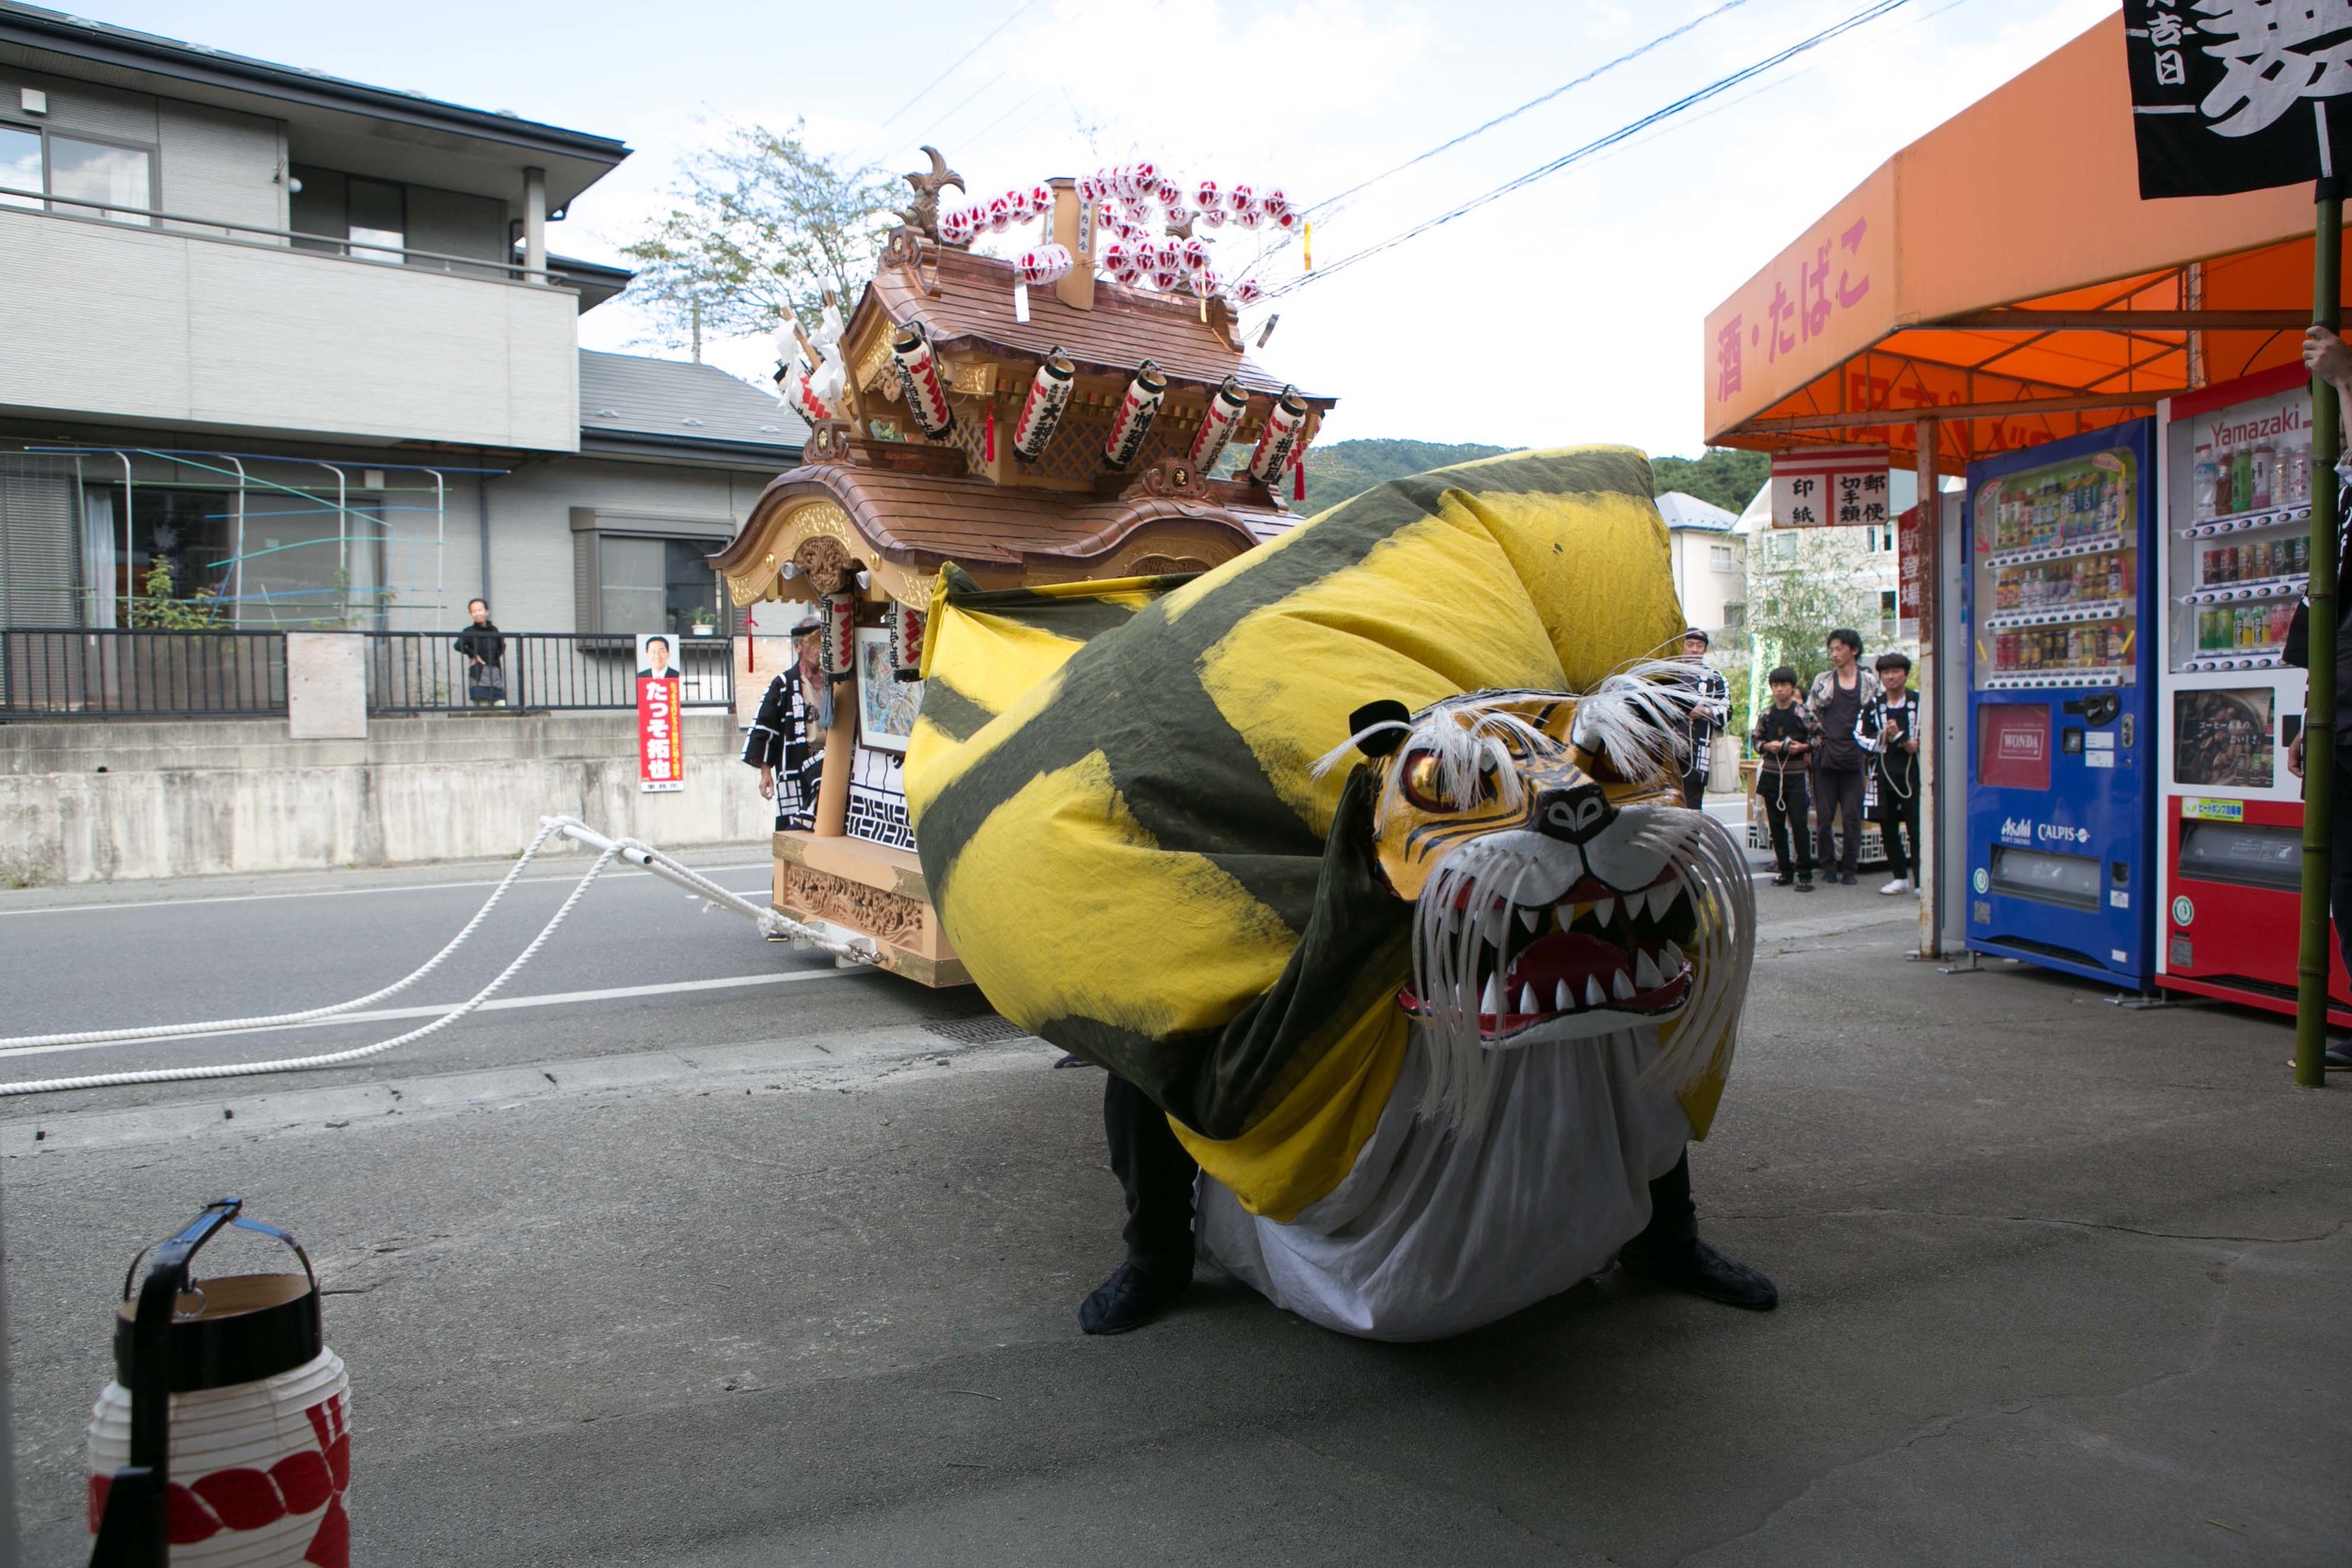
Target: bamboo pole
[{"x": 2319, "y": 714}]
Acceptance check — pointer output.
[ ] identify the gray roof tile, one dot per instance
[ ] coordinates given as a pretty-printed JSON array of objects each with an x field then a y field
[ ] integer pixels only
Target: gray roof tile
[{"x": 625, "y": 395}]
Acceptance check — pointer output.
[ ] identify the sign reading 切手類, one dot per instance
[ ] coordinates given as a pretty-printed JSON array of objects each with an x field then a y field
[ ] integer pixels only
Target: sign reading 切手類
[
  {"x": 1830, "y": 488},
  {"x": 2239, "y": 95}
]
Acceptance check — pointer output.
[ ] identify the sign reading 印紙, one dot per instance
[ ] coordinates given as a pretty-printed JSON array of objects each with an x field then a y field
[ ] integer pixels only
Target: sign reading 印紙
[
  {"x": 1830, "y": 488},
  {"x": 2239, "y": 95}
]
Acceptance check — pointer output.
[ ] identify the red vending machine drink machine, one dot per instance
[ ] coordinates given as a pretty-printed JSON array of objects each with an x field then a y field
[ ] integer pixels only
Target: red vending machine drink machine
[{"x": 2236, "y": 524}]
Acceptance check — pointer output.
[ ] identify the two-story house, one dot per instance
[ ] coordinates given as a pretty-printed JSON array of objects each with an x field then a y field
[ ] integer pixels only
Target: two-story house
[{"x": 301, "y": 342}]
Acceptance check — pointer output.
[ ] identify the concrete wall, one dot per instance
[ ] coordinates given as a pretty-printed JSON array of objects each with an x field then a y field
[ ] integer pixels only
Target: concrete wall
[
  {"x": 180, "y": 799},
  {"x": 101, "y": 320}
]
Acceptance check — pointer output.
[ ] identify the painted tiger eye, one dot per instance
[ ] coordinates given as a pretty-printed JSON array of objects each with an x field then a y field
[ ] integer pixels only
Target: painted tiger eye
[{"x": 1423, "y": 778}]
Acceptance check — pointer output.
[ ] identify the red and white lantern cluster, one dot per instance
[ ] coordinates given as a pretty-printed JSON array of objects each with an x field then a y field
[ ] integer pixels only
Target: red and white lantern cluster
[
  {"x": 962, "y": 224},
  {"x": 906, "y": 641}
]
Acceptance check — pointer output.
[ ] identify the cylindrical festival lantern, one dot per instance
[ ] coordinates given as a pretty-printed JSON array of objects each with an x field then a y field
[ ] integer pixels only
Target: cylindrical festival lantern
[
  {"x": 1042, "y": 411},
  {"x": 836, "y": 635},
  {"x": 906, "y": 641},
  {"x": 1226, "y": 407},
  {"x": 1137, "y": 411},
  {"x": 1283, "y": 422},
  {"x": 1047, "y": 264},
  {"x": 918, "y": 376},
  {"x": 226, "y": 1435}
]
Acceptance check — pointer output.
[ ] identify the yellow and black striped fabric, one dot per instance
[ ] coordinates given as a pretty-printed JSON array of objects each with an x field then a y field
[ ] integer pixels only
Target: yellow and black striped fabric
[{"x": 1116, "y": 814}]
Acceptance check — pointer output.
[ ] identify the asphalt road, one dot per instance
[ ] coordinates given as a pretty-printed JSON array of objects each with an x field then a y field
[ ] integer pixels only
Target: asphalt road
[{"x": 779, "y": 1272}]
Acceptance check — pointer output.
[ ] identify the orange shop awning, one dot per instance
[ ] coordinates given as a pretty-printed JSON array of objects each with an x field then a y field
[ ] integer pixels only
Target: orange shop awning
[{"x": 2002, "y": 273}]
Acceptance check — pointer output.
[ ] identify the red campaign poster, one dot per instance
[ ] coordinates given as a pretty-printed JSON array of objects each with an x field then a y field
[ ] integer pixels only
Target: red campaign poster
[
  {"x": 660, "y": 738},
  {"x": 2013, "y": 744}
]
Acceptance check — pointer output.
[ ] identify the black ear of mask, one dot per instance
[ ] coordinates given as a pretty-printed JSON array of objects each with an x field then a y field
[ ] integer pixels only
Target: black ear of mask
[{"x": 1388, "y": 710}]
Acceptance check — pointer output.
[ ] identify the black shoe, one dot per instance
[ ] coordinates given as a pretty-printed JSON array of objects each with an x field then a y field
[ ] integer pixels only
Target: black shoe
[
  {"x": 1805, "y": 884},
  {"x": 1782, "y": 879},
  {"x": 2339, "y": 1056},
  {"x": 1692, "y": 1265},
  {"x": 1848, "y": 879},
  {"x": 1131, "y": 1297}
]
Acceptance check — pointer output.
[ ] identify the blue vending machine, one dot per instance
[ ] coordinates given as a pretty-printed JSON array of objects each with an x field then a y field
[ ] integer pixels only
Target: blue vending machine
[{"x": 2061, "y": 734}]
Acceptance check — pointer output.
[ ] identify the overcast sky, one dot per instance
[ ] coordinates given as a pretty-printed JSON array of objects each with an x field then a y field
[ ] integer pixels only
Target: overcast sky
[{"x": 1568, "y": 311}]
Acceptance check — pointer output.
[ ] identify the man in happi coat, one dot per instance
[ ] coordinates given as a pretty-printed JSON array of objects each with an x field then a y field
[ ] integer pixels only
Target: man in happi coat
[{"x": 787, "y": 742}]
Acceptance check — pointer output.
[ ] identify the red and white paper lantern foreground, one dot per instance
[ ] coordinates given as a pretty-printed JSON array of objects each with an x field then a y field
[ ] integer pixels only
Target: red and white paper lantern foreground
[
  {"x": 1284, "y": 421},
  {"x": 1137, "y": 411},
  {"x": 906, "y": 641},
  {"x": 1041, "y": 410}
]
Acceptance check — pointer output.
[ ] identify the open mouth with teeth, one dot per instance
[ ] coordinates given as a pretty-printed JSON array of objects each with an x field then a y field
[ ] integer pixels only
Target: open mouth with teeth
[{"x": 1596, "y": 956}]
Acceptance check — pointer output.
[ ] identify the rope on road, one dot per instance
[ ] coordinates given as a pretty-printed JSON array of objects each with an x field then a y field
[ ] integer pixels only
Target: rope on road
[{"x": 857, "y": 951}]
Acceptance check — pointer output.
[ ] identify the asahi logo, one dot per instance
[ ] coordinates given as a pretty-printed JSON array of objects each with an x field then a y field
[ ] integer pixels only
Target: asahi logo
[{"x": 2016, "y": 829}]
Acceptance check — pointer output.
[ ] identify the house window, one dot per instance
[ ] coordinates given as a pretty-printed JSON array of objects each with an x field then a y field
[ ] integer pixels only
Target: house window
[
  {"x": 653, "y": 584},
  {"x": 1887, "y": 611},
  {"x": 1719, "y": 558},
  {"x": 1781, "y": 547},
  {"x": 1735, "y": 616},
  {"x": 344, "y": 214},
  {"x": 99, "y": 179}
]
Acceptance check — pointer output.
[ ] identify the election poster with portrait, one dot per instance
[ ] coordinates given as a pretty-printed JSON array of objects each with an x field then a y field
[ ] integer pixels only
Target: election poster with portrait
[{"x": 661, "y": 716}]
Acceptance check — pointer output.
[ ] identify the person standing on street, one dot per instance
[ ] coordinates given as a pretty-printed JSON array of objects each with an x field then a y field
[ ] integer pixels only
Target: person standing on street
[
  {"x": 787, "y": 742},
  {"x": 1708, "y": 717},
  {"x": 2328, "y": 357},
  {"x": 483, "y": 648},
  {"x": 1836, "y": 702},
  {"x": 1890, "y": 729},
  {"x": 1783, "y": 740}
]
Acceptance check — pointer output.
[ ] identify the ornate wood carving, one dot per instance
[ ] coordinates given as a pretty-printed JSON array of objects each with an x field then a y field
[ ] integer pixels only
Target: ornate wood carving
[
  {"x": 1161, "y": 565},
  {"x": 1171, "y": 476},
  {"x": 828, "y": 442},
  {"x": 922, "y": 213},
  {"x": 890, "y": 917},
  {"x": 825, "y": 563}
]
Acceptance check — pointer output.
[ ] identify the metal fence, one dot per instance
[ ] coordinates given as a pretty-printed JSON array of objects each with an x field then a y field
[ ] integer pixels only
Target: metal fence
[
  {"x": 422, "y": 671},
  {"x": 142, "y": 673},
  {"x": 70, "y": 672}
]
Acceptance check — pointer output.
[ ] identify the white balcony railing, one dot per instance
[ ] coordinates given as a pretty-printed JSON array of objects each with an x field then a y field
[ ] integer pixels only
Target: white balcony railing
[{"x": 196, "y": 323}]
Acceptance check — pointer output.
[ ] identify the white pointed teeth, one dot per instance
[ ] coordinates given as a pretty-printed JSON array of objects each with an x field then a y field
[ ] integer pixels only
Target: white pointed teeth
[
  {"x": 1529, "y": 919},
  {"x": 1674, "y": 952},
  {"x": 1621, "y": 987},
  {"x": 1527, "y": 1001},
  {"x": 1604, "y": 910},
  {"x": 1490, "y": 1000},
  {"x": 1662, "y": 898},
  {"x": 1570, "y": 914},
  {"x": 1646, "y": 974},
  {"x": 1561, "y": 1000},
  {"x": 1592, "y": 995}
]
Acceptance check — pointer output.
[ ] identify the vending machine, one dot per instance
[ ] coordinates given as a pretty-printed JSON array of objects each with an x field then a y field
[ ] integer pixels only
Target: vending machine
[
  {"x": 2061, "y": 746},
  {"x": 2237, "y": 505}
]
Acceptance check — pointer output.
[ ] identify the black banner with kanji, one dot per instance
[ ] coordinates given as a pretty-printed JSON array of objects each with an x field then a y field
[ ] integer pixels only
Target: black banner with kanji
[{"x": 2239, "y": 95}]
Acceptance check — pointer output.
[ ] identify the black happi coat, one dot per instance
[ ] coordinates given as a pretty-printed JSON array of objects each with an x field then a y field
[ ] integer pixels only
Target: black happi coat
[{"x": 783, "y": 738}]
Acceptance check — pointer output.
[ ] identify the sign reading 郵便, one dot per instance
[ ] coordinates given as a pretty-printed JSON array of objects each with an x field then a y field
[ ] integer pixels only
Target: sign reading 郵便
[
  {"x": 1830, "y": 488},
  {"x": 2239, "y": 95}
]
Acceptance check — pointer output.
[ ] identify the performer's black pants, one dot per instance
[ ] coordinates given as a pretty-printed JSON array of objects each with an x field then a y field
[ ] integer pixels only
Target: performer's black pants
[
  {"x": 1694, "y": 790},
  {"x": 2340, "y": 857},
  {"x": 1786, "y": 807},
  {"x": 1898, "y": 824},
  {"x": 1839, "y": 795},
  {"x": 1157, "y": 1173},
  {"x": 1673, "y": 1217}
]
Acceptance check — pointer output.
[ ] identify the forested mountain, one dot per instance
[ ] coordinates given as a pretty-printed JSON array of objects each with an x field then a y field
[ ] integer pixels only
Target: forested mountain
[{"x": 1344, "y": 469}]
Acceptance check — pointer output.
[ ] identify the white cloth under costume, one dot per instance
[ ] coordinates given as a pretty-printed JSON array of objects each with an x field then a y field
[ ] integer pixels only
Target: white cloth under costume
[{"x": 1434, "y": 1231}]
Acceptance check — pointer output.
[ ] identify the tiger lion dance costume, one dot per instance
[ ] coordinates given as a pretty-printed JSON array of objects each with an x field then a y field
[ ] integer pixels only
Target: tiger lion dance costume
[{"x": 1360, "y": 857}]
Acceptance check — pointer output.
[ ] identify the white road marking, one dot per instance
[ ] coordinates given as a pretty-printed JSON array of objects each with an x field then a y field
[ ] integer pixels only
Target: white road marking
[
  {"x": 353, "y": 892},
  {"x": 497, "y": 1003}
]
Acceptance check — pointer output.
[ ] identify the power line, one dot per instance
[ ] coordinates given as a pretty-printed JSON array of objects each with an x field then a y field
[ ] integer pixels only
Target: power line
[
  {"x": 911, "y": 103},
  {"x": 1329, "y": 202},
  {"x": 924, "y": 134},
  {"x": 1543, "y": 171}
]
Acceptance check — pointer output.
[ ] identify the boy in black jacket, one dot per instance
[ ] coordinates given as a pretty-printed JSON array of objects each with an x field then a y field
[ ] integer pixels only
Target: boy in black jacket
[{"x": 1783, "y": 739}]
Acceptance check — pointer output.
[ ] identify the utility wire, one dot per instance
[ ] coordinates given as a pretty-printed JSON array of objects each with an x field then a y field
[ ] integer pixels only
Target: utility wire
[
  {"x": 1623, "y": 133},
  {"x": 985, "y": 39},
  {"x": 1331, "y": 201}
]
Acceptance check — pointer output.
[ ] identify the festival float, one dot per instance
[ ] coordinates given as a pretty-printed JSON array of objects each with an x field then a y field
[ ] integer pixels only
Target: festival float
[{"x": 1081, "y": 412}]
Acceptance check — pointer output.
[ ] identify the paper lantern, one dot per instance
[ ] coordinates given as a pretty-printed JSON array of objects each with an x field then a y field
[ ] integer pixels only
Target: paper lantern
[
  {"x": 1192, "y": 254},
  {"x": 999, "y": 213},
  {"x": 1226, "y": 407},
  {"x": 1045, "y": 264},
  {"x": 1136, "y": 410},
  {"x": 1247, "y": 292},
  {"x": 918, "y": 376},
  {"x": 836, "y": 634},
  {"x": 1240, "y": 198},
  {"x": 1212, "y": 216},
  {"x": 1041, "y": 410},
  {"x": 906, "y": 641},
  {"x": 1250, "y": 216},
  {"x": 1168, "y": 280},
  {"x": 1168, "y": 193},
  {"x": 1206, "y": 195},
  {"x": 1288, "y": 222},
  {"x": 1283, "y": 422},
  {"x": 1276, "y": 202},
  {"x": 1041, "y": 201},
  {"x": 958, "y": 224}
]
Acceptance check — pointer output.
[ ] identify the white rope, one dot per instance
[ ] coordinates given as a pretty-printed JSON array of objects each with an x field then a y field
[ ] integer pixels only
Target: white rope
[
  {"x": 548, "y": 828},
  {"x": 855, "y": 950},
  {"x": 332, "y": 1058}
]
